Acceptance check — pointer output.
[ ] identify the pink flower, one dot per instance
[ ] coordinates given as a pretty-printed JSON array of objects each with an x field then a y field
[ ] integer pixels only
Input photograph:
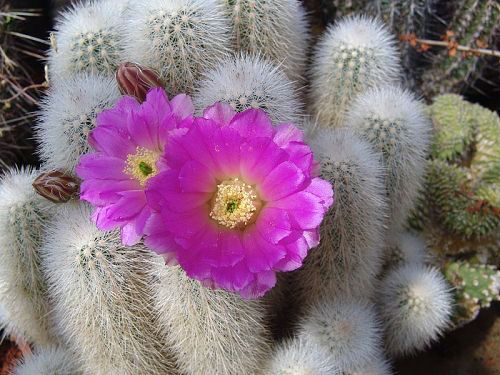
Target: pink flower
[
  {"x": 239, "y": 201},
  {"x": 129, "y": 140}
]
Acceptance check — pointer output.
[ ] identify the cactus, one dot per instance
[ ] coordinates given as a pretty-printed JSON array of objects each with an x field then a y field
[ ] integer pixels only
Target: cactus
[
  {"x": 474, "y": 23},
  {"x": 68, "y": 115},
  {"x": 415, "y": 305},
  {"x": 48, "y": 361},
  {"x": 101, "y": 307},
  {"x": 460, "y": 202},
  {"x": 297, "y": 357},
  {"x": 348, "y": 329},
  {"x": 224, "y": 335},
  {"x": 22, "y": 285},
  {"x": 256, "y": 23},
  {"x": 354, "y": 55},
  {"x": 250, "y": 82},
  {"x": 349, "y": 255},
  {"x": 87, "y": 40},
  {"x": 475, "y": 287},
  {"x": 405, "y": 248},
  {"x": 180, "y": 39},
  {"x": 395, "y": 125}
]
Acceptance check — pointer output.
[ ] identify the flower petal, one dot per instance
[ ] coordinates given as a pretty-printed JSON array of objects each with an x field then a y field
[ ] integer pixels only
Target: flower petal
[
  {"x": 101, "y": 167},
  {"x": 252, "y": 123},
  {"x": 221, "y": 113},
  {"x": 282, "y": 181},
  {"x": 182, "y": 106}
]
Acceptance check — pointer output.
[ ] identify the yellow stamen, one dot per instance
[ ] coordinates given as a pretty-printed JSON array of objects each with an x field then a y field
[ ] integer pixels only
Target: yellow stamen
[
  {"x": 142, "y": 165},
  {"x": 235, "y": 204}
]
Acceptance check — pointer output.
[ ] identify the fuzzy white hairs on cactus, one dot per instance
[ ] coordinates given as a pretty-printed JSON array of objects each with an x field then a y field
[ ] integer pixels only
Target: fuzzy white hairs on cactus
[
  {"x": 87, "y": 39},
  {"x": 405, "y": 248},
  {"x": 415, "y": 305},
  {"x": 22, "y": 285},
  {"x": 349, "y": 256},
  {"x": 211, "y": 332},
  {"x": 48, "y": 361},
  {"x": 380, "y": 366},
  {"x": 300, "y": 357},
  {"x": 277, "y": 29},
  {"x": 347, "y": 328},
  {"x": 69, "y": 114},
  {"x": 394, "y": 123},
  {"x": 247, "y": 81},
  {"x": 178, "y": 38},
  {"x": 99, "y": 291},
  {"x": 352, "y": 56}
]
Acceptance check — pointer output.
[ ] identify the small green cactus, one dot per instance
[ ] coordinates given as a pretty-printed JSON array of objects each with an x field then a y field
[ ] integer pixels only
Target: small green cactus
[
  {"x": 462, "y": 190},
  {"x": 475, "y": 287}
]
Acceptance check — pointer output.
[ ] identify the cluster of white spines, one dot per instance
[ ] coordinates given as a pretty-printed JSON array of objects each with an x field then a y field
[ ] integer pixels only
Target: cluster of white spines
[
  {"x": 347, "y": 328},
  {"x": 179, "y": 38},
  {"x": 300, "y": 357},
  {"x": 48, "y": 361},
  {"x": 415, "y": 306},
  {"x": 350, "y": 252},
  {"x": 99, "y": 292},
  {"x": 393, "y": 121},
  {"x": 352, "y": 56},
  {"x": 277, "y": 29},
  {"x": 210, "y": 332},
  {"x": 87, "y": 39},
  {"x": 69, "y": 114},
  {"x": 405, "y": 248},
  {"x": 248, "y": 81},
  {"x": 22, "y": 285}
]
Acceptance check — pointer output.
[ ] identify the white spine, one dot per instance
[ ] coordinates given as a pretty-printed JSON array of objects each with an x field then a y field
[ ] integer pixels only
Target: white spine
[
  {"x": 352, "y": 56},
  {"x": 178, "y": 38},
  {"x": 99, "y": 292},
  {"x": 48, "y": 361},
  {"x": 23, "y": 302},
  {"x": 211, "y": 332},
  {"x": 415, "y": 305},
  {"x": 349, "y": 256},
  {"x": 68, "y": 115},
  {"x": 393, "y": 121},
  {"x": 277, "y": 29},
  {"x": 249, "y": 81}
]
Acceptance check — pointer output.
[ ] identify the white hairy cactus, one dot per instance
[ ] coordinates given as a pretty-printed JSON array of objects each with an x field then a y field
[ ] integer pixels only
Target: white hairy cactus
[
  {"x": 415, "y": 306},
  {"x": 277, "y": 29},
  {"x": 352, "y": 56},
  {"x": 179, "y": 38},
  {"x": 22, "y": 285},
  {"x": 211, "y": 332},
  {"x": 48, "y": 361},
  {"x": 299, "y": 357},
  {"x": 87, "y": 39},
  {"x": 349, "y": 256},
  {"x": 68, "y": 115},
  {"x": 405, "y": 248},
  {"x": 380, "y": 366},
  {"x": 393, "y": 121},
  {"x": 347, "y": 328},
  {"x": 247, "y": 81},
  {"x": 99, "y": 293}
]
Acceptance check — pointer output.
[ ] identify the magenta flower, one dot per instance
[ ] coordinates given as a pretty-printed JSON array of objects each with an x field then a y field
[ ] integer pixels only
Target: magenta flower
[
  {"x": 129, "y": 140},
  {"x": 239, "y": 201}
]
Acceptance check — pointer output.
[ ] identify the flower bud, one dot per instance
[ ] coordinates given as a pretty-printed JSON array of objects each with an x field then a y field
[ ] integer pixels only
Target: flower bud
[
  {"x": 136, "y": 80},
  {"x": 56, "y": 186}
]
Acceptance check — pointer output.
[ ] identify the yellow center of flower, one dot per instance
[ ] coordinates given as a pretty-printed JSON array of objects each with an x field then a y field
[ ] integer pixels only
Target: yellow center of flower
[
  {"x": 234, "y": 204},
  {"x": 142, "y": 165}
]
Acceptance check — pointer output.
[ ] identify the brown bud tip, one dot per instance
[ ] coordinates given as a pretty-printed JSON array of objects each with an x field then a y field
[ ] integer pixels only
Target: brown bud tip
[
  {"x": 56, "y": 186},
  {"x": 136, "y": 80}
]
